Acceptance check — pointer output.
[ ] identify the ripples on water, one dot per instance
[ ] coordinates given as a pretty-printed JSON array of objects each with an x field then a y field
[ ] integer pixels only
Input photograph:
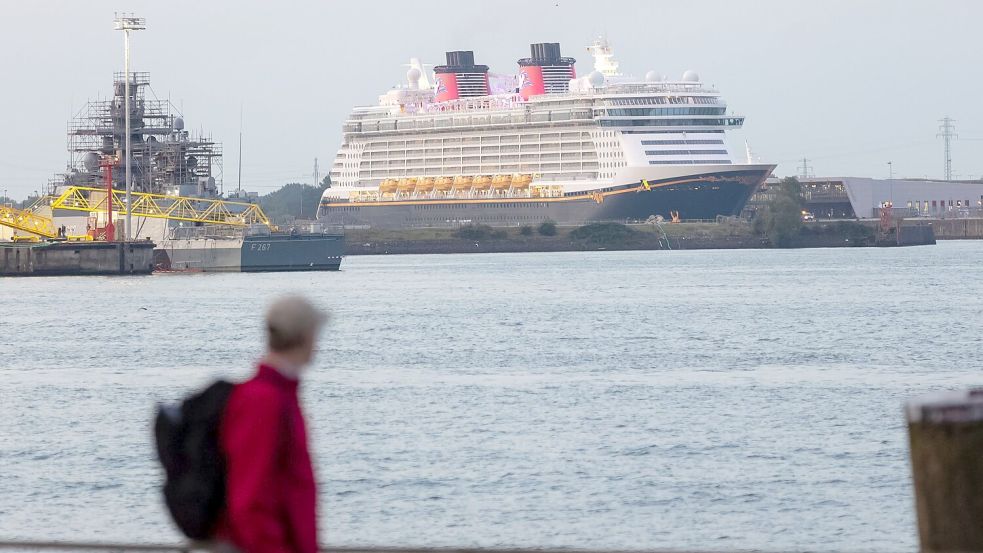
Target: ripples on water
[{"x": 712, "y": 399}]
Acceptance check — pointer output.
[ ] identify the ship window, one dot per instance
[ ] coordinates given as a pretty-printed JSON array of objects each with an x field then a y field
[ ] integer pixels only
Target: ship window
[
  {"x": 679, "y": 142},
  {"x": 687, "y": 161},
  {"x": 683, "y": 152}
]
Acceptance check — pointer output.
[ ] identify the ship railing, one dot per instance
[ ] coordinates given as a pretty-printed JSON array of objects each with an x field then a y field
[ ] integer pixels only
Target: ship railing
[
  {"x": 258, "y": 230},
  {"x": 306, "y": 227},
  {"x": 205, "y": 231}
]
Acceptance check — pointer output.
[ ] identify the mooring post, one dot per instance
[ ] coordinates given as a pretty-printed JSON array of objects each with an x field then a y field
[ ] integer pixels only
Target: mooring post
[{"x": 946, "y": 438}]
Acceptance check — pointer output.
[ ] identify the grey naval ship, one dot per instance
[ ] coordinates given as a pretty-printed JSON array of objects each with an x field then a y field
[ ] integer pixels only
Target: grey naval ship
[
  {"x": 463, "y": 145},
  {"x": 254, "y": 249}
]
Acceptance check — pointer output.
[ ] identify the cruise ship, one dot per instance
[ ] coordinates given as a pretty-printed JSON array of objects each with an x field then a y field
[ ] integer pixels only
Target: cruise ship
[{"x": 464, "y": 145}]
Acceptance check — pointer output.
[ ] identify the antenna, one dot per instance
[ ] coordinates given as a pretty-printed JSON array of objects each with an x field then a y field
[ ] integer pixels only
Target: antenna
[
  {"x": 239, "y": 176},
  {"x": 947, "y": 131},
  {"x": 890, "y": 170},
  {"x": 805, "y": 170}
]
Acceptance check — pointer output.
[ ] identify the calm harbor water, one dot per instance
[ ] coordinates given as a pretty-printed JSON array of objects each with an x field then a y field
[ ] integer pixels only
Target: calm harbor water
[{"x": 705, "y": 399}]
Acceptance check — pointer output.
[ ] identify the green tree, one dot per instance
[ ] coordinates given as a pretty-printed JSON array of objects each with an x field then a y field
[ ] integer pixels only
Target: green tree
[
  {"x": 479, "y": 232},
  {"x": 781, "y": 218},
  {"x": 292, "y": 201},
  {"x": 604, "y": 234},
  {"x": 786, "y": 221},
  {"x": 548, "y": 228}
]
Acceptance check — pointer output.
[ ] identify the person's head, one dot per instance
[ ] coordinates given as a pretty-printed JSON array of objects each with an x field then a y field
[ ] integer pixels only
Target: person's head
[{"x": 292, "y": 327}]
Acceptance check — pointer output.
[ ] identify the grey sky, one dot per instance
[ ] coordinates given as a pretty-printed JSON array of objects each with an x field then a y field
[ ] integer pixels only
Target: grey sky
[{"x": 852, "y": 85}]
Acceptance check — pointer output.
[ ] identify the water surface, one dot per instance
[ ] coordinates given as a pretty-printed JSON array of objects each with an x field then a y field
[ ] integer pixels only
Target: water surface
[{"x": 703, "y": 399}]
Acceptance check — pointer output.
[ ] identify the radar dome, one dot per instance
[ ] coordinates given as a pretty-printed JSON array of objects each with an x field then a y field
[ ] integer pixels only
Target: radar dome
[
  {"x": 179, "y": 123},
  {"x": 413, "y": 76},
  {"x": 595, "y": 79},
  {"x": 691, "y": 76},
  {"x": 91, "y": 162},
  {"x": 653, "y": 77}
]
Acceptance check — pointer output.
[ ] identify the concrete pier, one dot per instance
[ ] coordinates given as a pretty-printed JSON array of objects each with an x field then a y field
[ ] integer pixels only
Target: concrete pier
[
  {"x": 956, "y": 229},
  {"x": 75, "y": 258}
]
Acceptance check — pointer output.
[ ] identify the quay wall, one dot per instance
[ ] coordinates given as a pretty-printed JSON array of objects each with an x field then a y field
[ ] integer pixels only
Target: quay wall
[
  {"x": 958, "y": 229},
  {"x": 75, "y": 258}
]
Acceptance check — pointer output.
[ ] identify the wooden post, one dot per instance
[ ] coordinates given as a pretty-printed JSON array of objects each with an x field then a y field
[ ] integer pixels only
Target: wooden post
[{"x": 946, "y": 438}]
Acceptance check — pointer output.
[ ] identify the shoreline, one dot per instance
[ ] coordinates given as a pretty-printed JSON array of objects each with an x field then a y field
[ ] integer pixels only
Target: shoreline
[{"x": 680, "y": 236}]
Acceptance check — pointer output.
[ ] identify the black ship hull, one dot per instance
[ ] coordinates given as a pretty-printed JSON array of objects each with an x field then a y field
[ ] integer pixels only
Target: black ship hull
[{"x": 699, "y": 196}]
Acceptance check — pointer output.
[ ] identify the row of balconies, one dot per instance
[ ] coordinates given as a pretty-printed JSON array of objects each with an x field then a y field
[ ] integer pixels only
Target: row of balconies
[
  {"x": 486, "y": 160},
  {"x": 487, "y": 169},
  {"x": 482, "y": 151},
  {"x": 511, "y": 138},
  {"x": 470, "y": 122},
  {"x": 437, "y": 158}
]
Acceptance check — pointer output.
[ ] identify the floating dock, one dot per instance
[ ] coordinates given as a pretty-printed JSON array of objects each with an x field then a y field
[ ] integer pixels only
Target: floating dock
[{"x": 76, "y": 258}]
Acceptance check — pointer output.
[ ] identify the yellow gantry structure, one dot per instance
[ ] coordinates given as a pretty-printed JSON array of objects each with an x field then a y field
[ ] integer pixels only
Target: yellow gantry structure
[
  {"x": 160, "y": 206},
  {"x": 27, "y": 221},
  {"x": 157, "y": 206}
]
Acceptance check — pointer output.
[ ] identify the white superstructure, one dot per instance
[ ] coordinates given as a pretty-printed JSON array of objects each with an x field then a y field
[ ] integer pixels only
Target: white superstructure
[{"x": 601, "y": 130}]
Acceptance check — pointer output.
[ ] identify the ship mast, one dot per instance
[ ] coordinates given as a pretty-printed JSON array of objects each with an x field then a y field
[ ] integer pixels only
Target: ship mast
[{"x": 604, "y": 61}]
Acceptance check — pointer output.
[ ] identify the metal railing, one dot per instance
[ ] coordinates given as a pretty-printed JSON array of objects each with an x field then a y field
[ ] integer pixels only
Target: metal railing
[
  {"x": 224, "y": 548},
  {"x": 102, "y": 546}
]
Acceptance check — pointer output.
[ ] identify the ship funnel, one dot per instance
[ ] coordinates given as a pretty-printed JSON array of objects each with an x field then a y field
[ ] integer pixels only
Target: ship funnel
[
  {"x": 460, "y": 78},
  {"x": 546, "y": 71}
]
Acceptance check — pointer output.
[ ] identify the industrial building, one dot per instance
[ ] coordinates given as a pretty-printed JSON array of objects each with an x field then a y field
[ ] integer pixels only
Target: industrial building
[{"x": 861, "y": 197}]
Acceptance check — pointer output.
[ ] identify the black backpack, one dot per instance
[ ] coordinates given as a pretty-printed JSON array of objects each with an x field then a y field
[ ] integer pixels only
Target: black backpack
[{"x": 188, "y": 447}]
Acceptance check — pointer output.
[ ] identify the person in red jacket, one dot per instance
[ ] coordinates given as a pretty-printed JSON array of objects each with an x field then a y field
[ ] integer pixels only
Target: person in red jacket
[{"x": 270, "y": 489}]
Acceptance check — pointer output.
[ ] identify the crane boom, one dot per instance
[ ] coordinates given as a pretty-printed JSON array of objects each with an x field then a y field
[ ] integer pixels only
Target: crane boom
[{"x": 158, "y": 206}]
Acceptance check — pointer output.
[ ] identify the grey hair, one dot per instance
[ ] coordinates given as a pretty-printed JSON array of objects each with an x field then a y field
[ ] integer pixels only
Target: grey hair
[{"x": 291, "y": 320}]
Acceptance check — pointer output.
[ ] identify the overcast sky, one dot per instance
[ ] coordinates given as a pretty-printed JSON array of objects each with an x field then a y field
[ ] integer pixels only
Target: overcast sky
[{"x": 849, "y": 84}]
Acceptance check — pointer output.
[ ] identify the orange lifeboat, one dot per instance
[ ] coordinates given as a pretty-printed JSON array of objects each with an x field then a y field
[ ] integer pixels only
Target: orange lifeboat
[
  {"x": 443, "y": 184},
  {"x": 462, "y": 182},
  {"x": 387, "y": 186},
  {"x": 481, "y": 182},
  {"x": 521, "y": 181},
  {"x": 425, "y": 184},
  {"x": 501, "y": 182},
  {"x": 406, "y": 185}
]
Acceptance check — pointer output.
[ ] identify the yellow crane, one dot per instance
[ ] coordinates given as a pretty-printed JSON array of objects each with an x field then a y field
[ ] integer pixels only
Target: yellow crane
[
  {"x": 158, "y": 206},
  {"x": 27, "y": 221}
]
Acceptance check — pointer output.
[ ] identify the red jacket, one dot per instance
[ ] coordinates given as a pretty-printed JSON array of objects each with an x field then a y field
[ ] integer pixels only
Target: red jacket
[{"x": 270, "y": 491}]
